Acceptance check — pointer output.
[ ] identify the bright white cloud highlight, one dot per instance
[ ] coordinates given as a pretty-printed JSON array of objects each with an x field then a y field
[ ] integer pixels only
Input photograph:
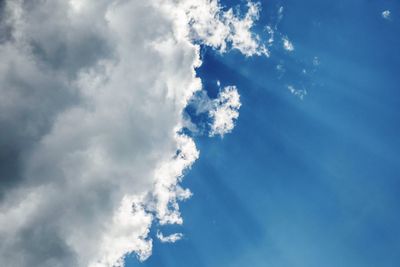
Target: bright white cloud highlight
[
  {"x": 223, "y": 29},
  {"x": 170, "y": 238},
  {"x": 386, "y": 14},
  {"x": 222, "y": 111},
  {"x": 225, "y": 111},
  {"x": 287, "y": 45},
  {"x": 91, "y": 100}
]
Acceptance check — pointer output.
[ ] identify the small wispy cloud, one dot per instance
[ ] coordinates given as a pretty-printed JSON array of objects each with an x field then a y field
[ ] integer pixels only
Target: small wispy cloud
[
  {"x": 316, "y": 61},
  {"x": 386, "y": 14},
  {"x": 170, "y": 238},
  {"x": 300, "y": 93},
  {"x": 287, "y": 45}
]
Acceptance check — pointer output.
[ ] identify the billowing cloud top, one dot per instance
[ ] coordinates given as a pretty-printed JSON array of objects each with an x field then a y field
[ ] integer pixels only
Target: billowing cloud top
[{"x": 91, "y": 100}]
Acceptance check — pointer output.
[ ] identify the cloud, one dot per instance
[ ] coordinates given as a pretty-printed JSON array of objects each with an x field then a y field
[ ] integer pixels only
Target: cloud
[
  {"x": 169, "y": 239},
  {"x": 287, "y": 45},
  {"x": 225, "y": 111},
  {"x": 386, "y": 14},
  {"x": 92, "y": 95},
  {"x": 271, "y": 34},
  {"x": 222, "y": 29},
  {"x": 316, "y": 61},
  {"x": 221, "y": 112},
  {"x": 300, "y": 93}
]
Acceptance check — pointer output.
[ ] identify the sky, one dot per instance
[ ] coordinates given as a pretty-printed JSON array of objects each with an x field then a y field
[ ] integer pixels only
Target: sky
[{"x": 199, "y": 133}]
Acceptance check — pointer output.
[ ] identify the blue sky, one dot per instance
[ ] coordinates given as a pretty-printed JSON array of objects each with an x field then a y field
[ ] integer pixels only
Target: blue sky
[
  {"x": 301, "y": 182},
  {"x": 200, "y": 133}
]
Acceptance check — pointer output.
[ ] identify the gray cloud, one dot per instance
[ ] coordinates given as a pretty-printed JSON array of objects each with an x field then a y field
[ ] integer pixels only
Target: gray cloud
[{"x": 91, "y": 101}]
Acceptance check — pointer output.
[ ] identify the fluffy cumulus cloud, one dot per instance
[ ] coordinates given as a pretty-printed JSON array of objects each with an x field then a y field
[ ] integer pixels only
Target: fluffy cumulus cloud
[
  {"x": 224, "y": 111},
  {"x": 221, "y": 113},
  {"x": 92, "y": 94}
]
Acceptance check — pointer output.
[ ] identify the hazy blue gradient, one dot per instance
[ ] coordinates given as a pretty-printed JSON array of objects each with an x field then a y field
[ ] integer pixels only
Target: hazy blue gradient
[{"x": 301, "y": 183}]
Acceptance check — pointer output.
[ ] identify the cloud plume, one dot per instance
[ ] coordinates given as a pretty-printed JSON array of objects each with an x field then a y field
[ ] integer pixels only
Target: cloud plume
[{"x": 91, "y": 100}]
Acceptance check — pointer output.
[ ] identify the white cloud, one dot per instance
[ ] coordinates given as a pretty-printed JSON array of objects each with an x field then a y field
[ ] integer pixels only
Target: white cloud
[
  {"x": 170, "y": 238},
  {"x": 222, "y": 111},
  {"x": 386, "y": 14},
  {"x": 225, "y": 111},
  {"x": 287, "y": 45},
  {"x": 91, "y": 100},
  {"x": 221, "y": 29},
  {"x": 280, "y": 11},
  {"x": 271, "y": 34},
  {"x": 316, "y": 61},
  {"x": 300, "y": 93}
]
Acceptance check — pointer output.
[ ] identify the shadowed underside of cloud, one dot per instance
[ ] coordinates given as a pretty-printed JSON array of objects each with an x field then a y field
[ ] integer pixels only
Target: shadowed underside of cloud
[{"x": 92, "y": 94}]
